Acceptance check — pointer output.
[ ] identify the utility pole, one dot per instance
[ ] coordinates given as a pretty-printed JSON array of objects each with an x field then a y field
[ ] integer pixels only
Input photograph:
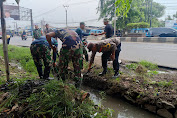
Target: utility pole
[
  {"x": 146, "y": 11},
  {"x": 66, "y": 9},
  {"x": 5, "y": 48},
  {"x": 115, "y": 19},
  {"x": 43, "y": 25},
  {"x": 31, "y": 12},
  {"x": 151, "y": 16}
]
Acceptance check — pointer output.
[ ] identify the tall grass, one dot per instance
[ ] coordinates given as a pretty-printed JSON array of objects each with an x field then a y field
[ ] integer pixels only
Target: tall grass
[{"x": 22, "y": 56}]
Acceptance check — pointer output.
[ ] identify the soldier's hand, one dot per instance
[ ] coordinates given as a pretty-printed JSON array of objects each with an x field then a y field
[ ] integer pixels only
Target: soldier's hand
[{"x": 113, "y": 57}]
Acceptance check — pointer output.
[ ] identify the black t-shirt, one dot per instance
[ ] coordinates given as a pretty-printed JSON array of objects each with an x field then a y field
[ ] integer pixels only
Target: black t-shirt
[{"x": 109, "y": 31}]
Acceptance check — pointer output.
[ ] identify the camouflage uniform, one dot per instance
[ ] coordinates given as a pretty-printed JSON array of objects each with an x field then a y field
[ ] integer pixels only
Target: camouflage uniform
[
  {"x": 81, "y": 34},
  {"x": 70, "y": 55},
  {"x": 71, "y": 51},
  {"x": 37, "y": 33},
  {"x": 107, "y": 46},
  {"x": 41, "y": 53}
]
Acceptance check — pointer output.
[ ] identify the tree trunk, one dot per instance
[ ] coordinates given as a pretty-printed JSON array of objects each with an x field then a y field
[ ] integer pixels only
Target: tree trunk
[{"x": 5, "y": 48}]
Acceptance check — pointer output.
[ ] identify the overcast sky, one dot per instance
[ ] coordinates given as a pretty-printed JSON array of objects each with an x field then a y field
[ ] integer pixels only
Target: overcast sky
[{"x": 79, "y": 10}]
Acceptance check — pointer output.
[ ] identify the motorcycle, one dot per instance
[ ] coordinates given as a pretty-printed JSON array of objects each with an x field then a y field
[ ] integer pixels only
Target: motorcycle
[{"x": 24, "y": 37}]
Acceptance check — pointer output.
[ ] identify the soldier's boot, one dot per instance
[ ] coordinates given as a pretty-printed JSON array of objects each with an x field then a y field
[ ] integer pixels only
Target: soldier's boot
[
  {"x": 116, "y": 75},
  {"x": 46, "y": 72},
  {"x": 86, "y": 58},
  {"x": 103, "y": 73},
  {"x": 63, "y": 77},
  {"x": 39, "y": 69},
  {"x": 77, "y": 83}
]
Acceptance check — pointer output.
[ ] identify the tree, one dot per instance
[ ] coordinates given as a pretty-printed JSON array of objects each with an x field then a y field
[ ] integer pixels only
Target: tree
[
  {"x": 5, "y": 48},
  {"x": 139, "y": 12},
  {"x": 169, "y": 18},
  {"x": 107, "y": 7},
  {"x": 175, "y": 16}
]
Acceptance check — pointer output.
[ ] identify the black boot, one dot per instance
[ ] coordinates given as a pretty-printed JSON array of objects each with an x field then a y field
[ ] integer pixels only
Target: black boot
[
  {"x": 103, "y": 73},
  {"x": 77, "y": 84},
  {"x": 116, "y": 75},
  {"x": 86, "y": 58}
]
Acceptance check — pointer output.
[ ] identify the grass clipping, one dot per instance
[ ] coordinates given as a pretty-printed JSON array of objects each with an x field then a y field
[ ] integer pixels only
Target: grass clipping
[{"x": 34, "y": 98}]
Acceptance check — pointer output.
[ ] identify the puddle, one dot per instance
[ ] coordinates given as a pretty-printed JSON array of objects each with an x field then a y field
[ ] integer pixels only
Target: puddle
[{"x": 121, "y": 108}]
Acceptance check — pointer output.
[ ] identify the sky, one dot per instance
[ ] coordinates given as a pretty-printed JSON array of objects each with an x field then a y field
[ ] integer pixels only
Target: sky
[{"x": 78, "y": 11}]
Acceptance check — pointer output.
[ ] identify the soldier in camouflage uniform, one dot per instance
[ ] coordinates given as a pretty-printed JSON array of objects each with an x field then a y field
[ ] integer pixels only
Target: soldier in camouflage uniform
[
  {"x": 71, "y": 51},
  {"x": 110, "y": 47},
  {"x": 37, "y": 32},
  {"x": 80, "y": 31},
  {"x": 40, "y": 51}
]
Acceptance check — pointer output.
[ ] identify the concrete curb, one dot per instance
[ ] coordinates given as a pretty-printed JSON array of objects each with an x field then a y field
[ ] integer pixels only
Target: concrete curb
[{"x": 150, "y": 39}]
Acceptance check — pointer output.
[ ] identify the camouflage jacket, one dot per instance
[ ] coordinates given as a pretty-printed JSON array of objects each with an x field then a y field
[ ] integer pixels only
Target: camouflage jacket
[
  {"x": 105, "y": 46},
  {"x": 69, "y": 38}
]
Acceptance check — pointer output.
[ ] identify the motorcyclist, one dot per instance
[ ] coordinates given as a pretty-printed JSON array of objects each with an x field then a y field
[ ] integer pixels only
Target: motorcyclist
[{"x": 24, "y": 33}]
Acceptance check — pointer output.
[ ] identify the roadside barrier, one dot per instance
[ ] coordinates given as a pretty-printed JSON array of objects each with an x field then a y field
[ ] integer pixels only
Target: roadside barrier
[
  {"x": 150, "y": 39},
  {"x": 141, "y": 39}
]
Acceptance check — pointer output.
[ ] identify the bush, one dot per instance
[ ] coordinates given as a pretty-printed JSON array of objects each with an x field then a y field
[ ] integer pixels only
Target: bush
[
  {"x": 149, "y": 65},
  {"x": 137, "y": 25}
]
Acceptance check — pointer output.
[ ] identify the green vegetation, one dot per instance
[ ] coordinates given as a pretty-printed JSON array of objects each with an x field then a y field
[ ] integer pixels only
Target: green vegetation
[
  {"x": 107, "y": 7},
  {"x": 165, "y": 83},
  {"x": 151, "y": 73},
  {"x": 53, "y": 99},
  {"x": 138, "y": 12},
  {"x": 50, "y": 98},
  {"x": 22, "y": 56},
  {"x": 162, "y": 83},
  {"x": 137, "y": 25},
  {"x": 146, "y": 64},
  {"x": 132, "y": 66}
]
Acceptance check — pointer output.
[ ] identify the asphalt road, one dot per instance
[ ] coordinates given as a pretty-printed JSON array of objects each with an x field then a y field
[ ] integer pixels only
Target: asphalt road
[{"x": 159, "y": 53}]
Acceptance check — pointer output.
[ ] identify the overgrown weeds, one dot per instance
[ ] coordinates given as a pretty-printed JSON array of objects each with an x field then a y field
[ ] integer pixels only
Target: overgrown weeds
[
  {"x": 52, "y": 99},
  {"x": 29, "y": 97},
  {"x": 22, "y": 56},
  {"x": 146, "y": 64}
]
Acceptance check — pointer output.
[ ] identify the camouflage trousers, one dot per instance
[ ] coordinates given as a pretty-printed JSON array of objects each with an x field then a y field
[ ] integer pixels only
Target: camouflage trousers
[
  {"x": 67, "y": 55},
  {"x": 40, "y": 54}
]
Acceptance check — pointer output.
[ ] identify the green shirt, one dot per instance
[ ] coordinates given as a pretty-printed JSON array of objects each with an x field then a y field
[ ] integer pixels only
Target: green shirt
[{"x": 37, "y": 33}]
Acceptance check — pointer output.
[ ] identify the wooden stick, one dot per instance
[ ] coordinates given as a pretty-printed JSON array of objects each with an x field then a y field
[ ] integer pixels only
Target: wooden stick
[{"x": 5, "y": 48}]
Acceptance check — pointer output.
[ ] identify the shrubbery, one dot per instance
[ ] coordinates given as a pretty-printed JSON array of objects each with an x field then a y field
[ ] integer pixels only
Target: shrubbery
[{"x": 137, "y": 25}]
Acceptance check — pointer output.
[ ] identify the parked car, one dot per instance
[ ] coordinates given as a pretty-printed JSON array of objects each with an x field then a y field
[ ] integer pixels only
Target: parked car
[{"x": 162, "y": 32}]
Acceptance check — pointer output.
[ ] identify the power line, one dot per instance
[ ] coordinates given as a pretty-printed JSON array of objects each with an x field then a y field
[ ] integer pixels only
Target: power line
[
  {"x": 47, "y": 12},
  {"x": 62, "y": 6},
  {"x": 167, "y": 3},
  {"x": 71, "y": 22}
]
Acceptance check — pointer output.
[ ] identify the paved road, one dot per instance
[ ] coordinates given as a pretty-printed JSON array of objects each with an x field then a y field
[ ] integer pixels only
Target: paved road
[{"x": 159, "y": 53}]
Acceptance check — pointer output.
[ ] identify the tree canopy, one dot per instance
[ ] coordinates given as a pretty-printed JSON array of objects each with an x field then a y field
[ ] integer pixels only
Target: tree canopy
[{"x": 134, "y": 12}]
